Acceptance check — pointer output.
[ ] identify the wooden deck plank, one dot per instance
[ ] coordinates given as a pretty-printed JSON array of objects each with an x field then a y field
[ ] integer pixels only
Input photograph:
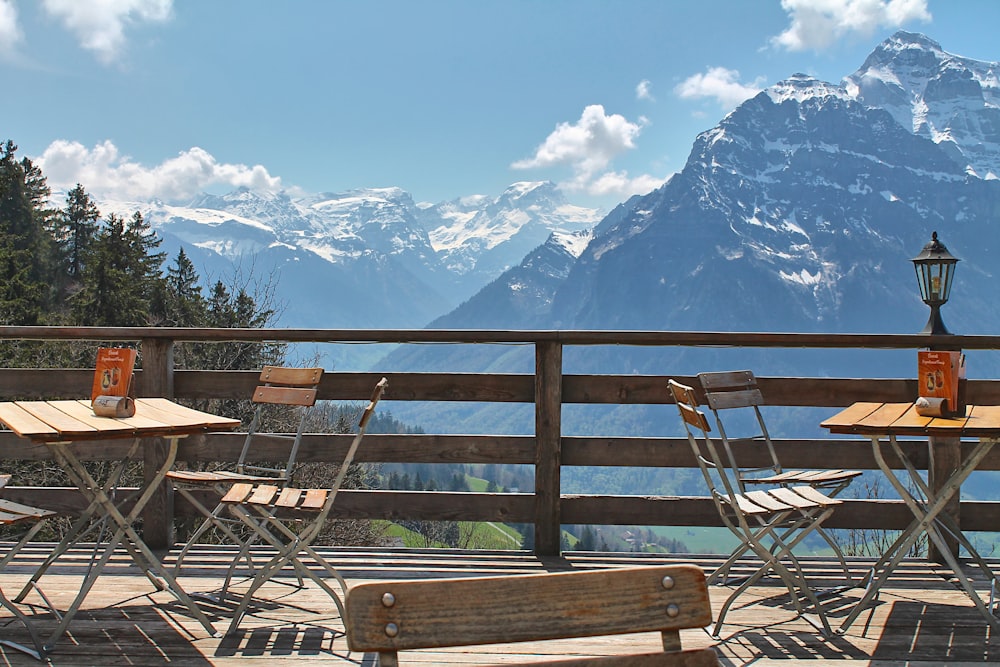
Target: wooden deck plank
[{"x": 921, "y": 618}]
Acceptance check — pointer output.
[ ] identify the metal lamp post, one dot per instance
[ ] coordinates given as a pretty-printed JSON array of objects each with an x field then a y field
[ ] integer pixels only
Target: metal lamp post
[{"x": 935, "y": 268}]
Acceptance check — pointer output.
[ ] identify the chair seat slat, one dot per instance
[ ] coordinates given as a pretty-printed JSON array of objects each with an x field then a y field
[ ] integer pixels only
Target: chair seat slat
[
  {"x": 289, "y": 497},
  {"x": 814, "y": 495},
  {"x": 315, "y": 499},
  {"x": 263, "y": 494},
  {"x": 237, "y": 493}
]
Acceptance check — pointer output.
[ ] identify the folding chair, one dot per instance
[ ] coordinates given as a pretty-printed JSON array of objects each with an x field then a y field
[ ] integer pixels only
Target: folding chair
[
  {"x": 392, "y": 616},
  {"x": 16, "y": 514},
  {"x": 770, "y": 523},
  {"x": 737, "y": 391},
  {"x": 266, "y": 509},
  {"x": 295, "y": 387}
]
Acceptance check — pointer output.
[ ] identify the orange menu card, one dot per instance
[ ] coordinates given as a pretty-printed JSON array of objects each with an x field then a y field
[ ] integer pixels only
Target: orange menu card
[
  {"x": 113, "y": 373},
  {"x": 938, "y": 375}
]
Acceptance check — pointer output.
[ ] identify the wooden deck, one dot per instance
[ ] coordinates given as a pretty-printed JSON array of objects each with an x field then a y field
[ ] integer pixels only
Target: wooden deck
[{"x": 921, "y": 618}]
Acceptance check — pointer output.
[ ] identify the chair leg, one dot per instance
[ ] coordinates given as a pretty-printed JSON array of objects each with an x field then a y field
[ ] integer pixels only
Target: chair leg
[
  {"x": 794, "y": 581},
  {"x": 288, "y": 554},
  {"x": 258, "y": 531},
  {"x": 39, "y": 652},
  {"x": 822, "y": 532}
]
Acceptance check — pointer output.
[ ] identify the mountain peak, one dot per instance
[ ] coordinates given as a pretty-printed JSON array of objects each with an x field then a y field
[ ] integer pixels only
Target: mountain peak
[
  {"x": 522, "y": 188},
  {"x": 800, "y": 87},
  {"x": 903, "y": 40},
  {"x": 949, "y": 99}
]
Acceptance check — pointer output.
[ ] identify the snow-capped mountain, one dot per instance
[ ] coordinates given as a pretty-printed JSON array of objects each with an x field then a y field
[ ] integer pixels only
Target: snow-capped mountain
[
  {"x": 479, "y": 238},
  {"x": 800, "y": 211},
  {"x": 523, "y": 293},
  {"x": 953, "y": 101},
  {"x": 363, "y": 258}
]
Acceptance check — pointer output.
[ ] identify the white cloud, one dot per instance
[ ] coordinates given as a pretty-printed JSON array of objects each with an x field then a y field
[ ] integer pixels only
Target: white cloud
[
  {"x": 816, "y": 24},
  {"x": 721, "y": 84},
  {"x": 642, "y": 90},
  {"x": 588, "y": 147},
  {"x": 589, "y": 144},
  {"x": 10, "y": 31},
  {"x": 107, "y": 174},
  {"x": 99, "y": 25},
  {"x": 619, "y": 183}
]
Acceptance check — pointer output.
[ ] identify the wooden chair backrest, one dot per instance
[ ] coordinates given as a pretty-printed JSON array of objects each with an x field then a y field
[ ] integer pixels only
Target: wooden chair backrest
[
  {"x": 686, "y": 401},
  {"x": 728, "y": 390},
  {"x": 731, "y": 389},
  {"x": 288, "y": 386},
  {"x": 391, "y": 616},
  {"x": 282, "y": 385}
]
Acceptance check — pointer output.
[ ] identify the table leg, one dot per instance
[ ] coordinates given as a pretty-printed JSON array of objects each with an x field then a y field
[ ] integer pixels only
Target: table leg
[
  {"x": 928, "y": 519},
  {"x": 82, "y": 525},
  {"x": 125, "y": 534},
  {"x": 890, "y": 560}
]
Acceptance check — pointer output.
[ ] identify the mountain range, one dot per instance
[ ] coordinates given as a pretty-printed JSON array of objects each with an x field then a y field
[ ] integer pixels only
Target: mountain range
[
  {"x": 799, "y": 211},
  {"x": 368, "y": 258}
]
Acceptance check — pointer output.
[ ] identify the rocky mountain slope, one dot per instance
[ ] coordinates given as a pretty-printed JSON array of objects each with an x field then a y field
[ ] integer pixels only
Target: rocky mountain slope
[{"x": 799, "y": 211}]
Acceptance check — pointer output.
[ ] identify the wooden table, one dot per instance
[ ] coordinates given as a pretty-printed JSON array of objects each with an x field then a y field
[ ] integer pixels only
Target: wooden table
[
  {"x": 883, "y": 423},
  {"x": 60, "y": 424}
]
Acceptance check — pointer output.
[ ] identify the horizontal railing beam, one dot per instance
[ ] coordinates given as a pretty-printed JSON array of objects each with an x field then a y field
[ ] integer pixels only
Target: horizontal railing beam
[
  {"x": 506, "y": 337},
  {"x": 577, "y": 509},
  {"x": 504, "y": 449}
]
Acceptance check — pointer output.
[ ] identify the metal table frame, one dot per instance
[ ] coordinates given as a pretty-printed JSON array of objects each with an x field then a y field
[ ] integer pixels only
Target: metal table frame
[
  {"x": 154, "y": 418},
  {"x": 882, "y": 423}
]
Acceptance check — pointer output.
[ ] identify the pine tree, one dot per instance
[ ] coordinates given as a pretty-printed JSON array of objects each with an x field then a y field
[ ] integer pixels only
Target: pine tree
[
  {"x": 121, "y": 277},
  {"x": 185, "y": 306},
  {"x": 74, "y": 230},
  {"x": 587, "y": 539},
  {"x": 26, "y": 249},
  {"x": 227, "y": 310}
]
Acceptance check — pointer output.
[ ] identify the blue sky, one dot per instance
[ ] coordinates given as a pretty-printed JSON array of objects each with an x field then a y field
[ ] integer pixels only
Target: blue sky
[{"x": 137, "y": 99}]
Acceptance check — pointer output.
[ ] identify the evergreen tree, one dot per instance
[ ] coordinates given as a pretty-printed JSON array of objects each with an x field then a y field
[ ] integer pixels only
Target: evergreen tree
[
  {"x": 74, "y": 230},
  {"x": 121, "y": 277},
  {"x": 226, "y": 310},
  {"x": 21, "y": 300},
  {"x": 185, "y": 306},
  {"x": 587, "y": 539},
  {"x": 26, "y": 249}
]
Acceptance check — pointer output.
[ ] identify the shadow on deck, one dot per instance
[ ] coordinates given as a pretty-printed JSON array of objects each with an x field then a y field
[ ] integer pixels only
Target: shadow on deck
[{"x": 921, "y": 617}]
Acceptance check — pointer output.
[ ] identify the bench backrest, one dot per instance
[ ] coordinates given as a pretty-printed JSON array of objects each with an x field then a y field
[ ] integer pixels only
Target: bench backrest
[{"x": 391, "y": 616}]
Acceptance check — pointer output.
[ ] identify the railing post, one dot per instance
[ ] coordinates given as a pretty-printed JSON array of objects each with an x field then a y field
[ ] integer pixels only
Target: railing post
[
  {"x": 548, "y": 447},
  {"x": 157, "y": 380},
  {"x": 945, "y": 458}
]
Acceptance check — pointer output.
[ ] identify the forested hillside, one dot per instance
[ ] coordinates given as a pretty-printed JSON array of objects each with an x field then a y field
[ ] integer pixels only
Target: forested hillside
[{"x": 69, "y": 266}]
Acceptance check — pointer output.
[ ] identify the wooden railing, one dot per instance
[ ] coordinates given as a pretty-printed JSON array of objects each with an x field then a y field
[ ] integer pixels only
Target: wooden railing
[{"x": 548, "y": 450}]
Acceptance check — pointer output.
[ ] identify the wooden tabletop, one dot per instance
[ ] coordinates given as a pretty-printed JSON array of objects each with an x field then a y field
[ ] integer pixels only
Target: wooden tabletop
[
  {"x": 73, "y": 421},
  {"x": 902, "y": 419}
]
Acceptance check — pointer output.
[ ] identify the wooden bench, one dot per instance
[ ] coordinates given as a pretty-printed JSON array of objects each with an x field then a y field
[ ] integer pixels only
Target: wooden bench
[{"x": 391, "y": 616}]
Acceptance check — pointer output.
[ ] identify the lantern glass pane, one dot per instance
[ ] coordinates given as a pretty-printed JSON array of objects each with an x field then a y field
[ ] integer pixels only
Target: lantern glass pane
[
  {"x": 923, "y": 280},
  {"x": 935, "y": 279}
]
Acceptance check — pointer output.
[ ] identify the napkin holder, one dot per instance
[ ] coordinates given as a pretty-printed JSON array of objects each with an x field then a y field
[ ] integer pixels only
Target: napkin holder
[{"x": 114, "y": 406}]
